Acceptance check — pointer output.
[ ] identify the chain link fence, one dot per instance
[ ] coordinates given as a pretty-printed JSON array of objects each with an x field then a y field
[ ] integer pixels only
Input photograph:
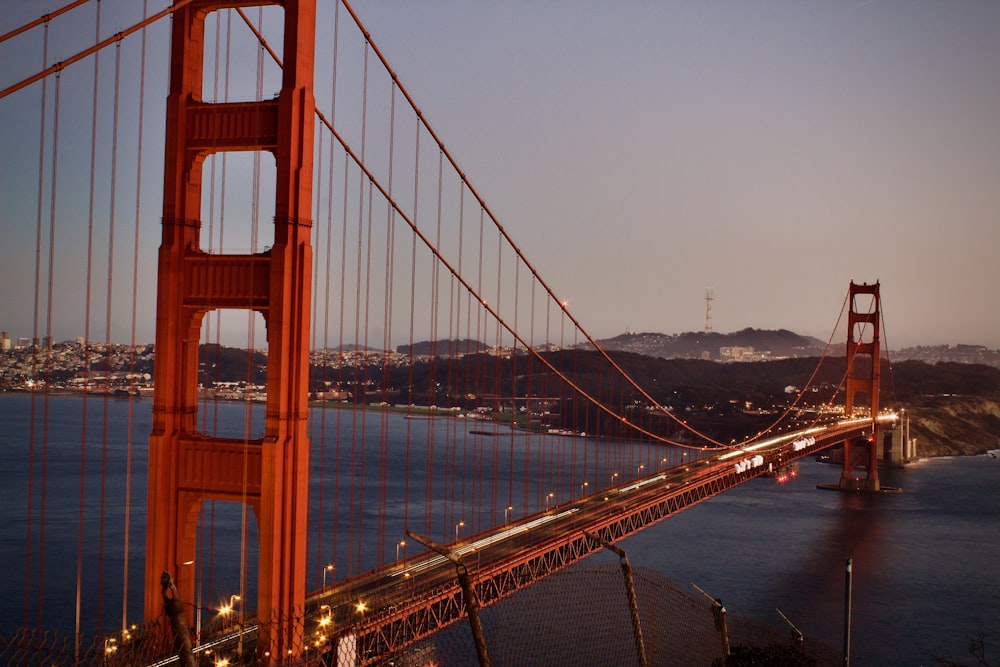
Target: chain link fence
[{"x": 579, "y": 616}]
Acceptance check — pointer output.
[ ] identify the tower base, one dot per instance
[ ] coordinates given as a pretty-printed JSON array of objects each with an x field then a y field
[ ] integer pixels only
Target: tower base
[{"x": 860, "y": 486}]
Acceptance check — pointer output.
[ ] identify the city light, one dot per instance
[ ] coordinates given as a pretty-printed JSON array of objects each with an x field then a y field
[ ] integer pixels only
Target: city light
[{"x": 330, "y": 567}]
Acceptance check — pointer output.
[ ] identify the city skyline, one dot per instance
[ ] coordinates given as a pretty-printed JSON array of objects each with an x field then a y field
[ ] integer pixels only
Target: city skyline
[{"x": 769, "y": 151}]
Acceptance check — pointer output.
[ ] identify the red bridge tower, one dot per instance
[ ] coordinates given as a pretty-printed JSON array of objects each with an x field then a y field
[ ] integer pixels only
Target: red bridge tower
[
  {"x": 187, "y": 467},
  {"x": 863, "y": 365}
]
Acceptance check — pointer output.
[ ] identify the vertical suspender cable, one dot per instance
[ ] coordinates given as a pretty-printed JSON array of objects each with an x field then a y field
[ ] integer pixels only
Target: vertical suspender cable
[
  {"x": 86, "y": 334},
  {"x": 209, "y": 404},
  {"x": 357, "y": 445},
  {"x": 251, "y": 344},
  {"x": 107, "y": 336},
  {"x": 387, "y": 319},
  {"x": 342, "y": 381},
  {"x": 135, "y": 296},
  {"x": 413, "y": 288},
  {"x": 48, "y": 347},
  {"x": 34, "y": 334},
  {"x": 320, "y": 561},
  {"x": 432, "y": 377},
  {"x": 209, "y": 577},
  {"x": 446, "y": 519},
  {"x": 314, "y": 344},
  {"x": 463, "y": 351},
  {"x": 364, "y": 424}
]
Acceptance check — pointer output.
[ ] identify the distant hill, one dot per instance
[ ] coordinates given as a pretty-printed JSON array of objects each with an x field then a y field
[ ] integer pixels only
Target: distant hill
[
  {"x": 443, "y": 348},
  {"x": 962, "y": 354},
  {"x": 779, "y": 343}
]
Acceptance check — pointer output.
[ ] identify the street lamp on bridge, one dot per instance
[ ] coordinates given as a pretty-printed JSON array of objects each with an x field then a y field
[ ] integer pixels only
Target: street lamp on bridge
[
  {"x": 614, "y": 476},
  {"x": 458, "y": 525},
  {"x": 638, "y": 470},
  {"x": 231, "y": 607},
  {"x": 401, "y": 543},
  {"x": 506, "y": 513},
  {"x": 548, "y": 497},
  {"x": 329, "y": 567},
  {"x": 583, "y": 488}
]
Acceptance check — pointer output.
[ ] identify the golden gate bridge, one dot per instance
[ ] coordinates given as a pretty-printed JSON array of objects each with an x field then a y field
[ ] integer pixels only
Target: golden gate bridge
[{"x": 378, "y": 237}]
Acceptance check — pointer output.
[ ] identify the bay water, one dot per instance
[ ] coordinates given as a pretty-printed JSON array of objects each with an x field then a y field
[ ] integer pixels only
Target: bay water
[{"x": 925, "y": 577}]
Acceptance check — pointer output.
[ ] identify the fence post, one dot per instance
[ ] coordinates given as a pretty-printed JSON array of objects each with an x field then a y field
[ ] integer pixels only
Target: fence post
[
  {"x": 847, "y": 613},
  {"x": 633, "y": 602},
  {"x": 174, "y": 609},
  {"x": 719, "y": 613},
  {"x": 797, "y": 637},
  {"x": 468, "y": 594}
]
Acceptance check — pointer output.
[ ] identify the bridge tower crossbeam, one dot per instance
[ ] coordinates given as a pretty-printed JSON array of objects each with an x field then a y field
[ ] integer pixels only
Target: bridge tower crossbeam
[{"x": 270, "y": 474}]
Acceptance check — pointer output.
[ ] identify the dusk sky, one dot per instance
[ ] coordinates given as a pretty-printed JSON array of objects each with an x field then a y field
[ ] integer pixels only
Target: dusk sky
[{"x": 641, "y": 152}]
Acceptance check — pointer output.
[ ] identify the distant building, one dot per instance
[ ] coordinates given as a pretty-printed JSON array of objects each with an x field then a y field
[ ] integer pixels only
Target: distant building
[
  {"x": 736, "y": 353},
  {"x": 4, "y": 341}
]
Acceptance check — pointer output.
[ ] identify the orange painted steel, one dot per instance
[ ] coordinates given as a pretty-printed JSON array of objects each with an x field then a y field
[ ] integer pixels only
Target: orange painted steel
[
  {"x": 187, "y": 467},
  {"x": 867, "y": 383}
]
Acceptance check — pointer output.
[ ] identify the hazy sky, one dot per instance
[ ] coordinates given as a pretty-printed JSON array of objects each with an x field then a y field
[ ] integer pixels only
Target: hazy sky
[{"x": 641, "y": 152}]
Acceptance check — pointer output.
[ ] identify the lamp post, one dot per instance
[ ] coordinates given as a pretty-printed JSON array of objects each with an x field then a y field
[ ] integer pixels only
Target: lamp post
[
  {"x": 583, "y": 488},
  {"x": 330, "y": 567},
  {"x": 548, "y": 497},
  {"x": 229, "y": 608},
  {"x": 639, "y": 470},
  {"x": 506, "y": 513},
  {"x": 401, "y": 543},
  {"x": 663, "y": 463},
  {"x": 110, "y": 646},
  {"x": 614, "y": 476},
  {"x": 326, "y": 615},
  {"x": 457, "y": 526}
]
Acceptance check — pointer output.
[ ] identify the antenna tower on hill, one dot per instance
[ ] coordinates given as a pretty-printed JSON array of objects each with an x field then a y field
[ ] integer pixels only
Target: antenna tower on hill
[{"x": 709, "y": 297}]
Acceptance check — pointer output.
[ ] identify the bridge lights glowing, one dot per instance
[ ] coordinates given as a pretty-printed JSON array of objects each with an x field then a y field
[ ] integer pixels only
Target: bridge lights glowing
[
  {"x": 330, "y": 567},
  {"x": 458, "y": 525},
  {"x": 326, "y": 616},
  {"x": 229, "y": 608},
  {"x": 583, "y": 488},
  {"x": 110, "y": 645},
  {"x": 638, "y": 470},
  {"x": 361, "y": 607},
  {"x": 506, "y": 513},
  {"x": 548, "y": 498},
  {"x": 401, "y": 543},
  {"x": 614, "y": 476}
]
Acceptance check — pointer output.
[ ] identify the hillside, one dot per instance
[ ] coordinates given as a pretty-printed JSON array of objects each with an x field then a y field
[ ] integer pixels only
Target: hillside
[{"x": 710, "y": 345}]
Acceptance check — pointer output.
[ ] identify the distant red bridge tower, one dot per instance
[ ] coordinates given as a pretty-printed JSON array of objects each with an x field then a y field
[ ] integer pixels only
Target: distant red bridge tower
[
  {"x": 863, "y": 365},
  {"x": 187, "y": 467}
]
